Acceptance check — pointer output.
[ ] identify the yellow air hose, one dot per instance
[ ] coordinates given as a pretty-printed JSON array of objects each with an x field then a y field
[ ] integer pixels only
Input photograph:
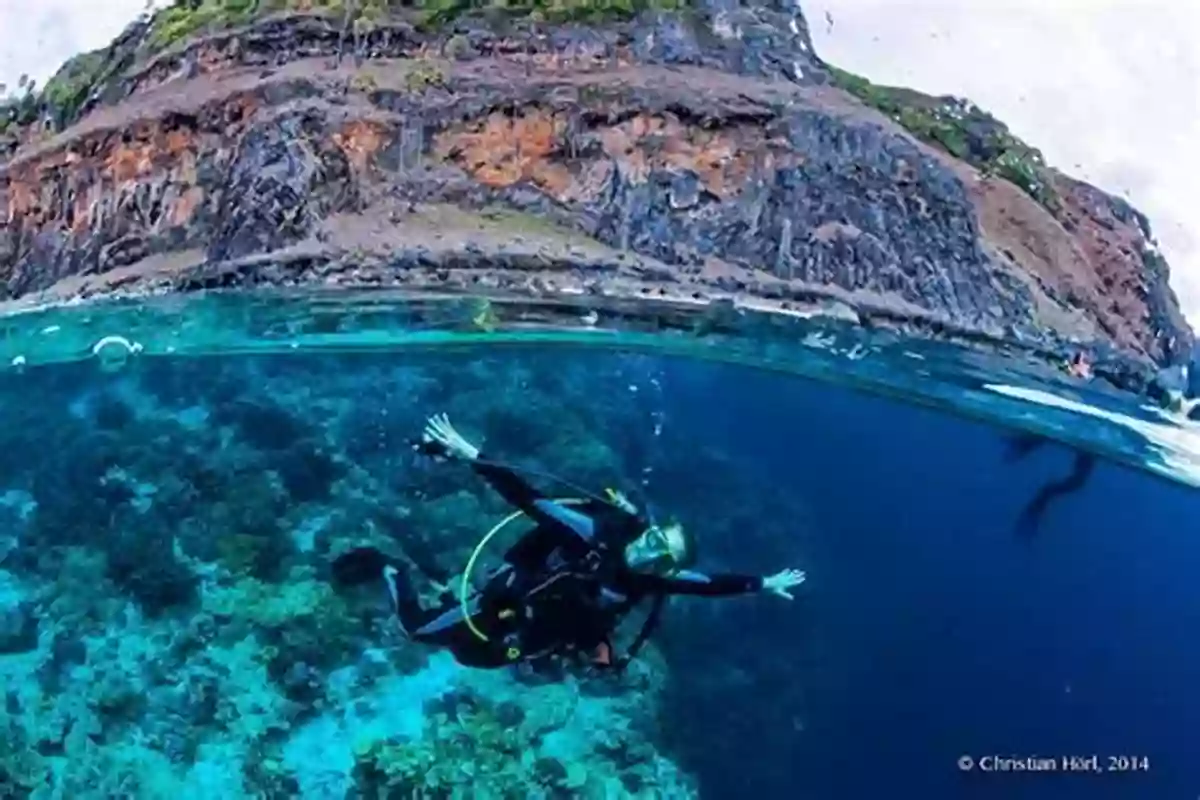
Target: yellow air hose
[{"x": 465, "y": 587}]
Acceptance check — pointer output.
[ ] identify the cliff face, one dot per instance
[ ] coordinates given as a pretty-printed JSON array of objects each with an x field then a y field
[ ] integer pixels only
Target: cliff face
[{"x": 700, "y": 154}]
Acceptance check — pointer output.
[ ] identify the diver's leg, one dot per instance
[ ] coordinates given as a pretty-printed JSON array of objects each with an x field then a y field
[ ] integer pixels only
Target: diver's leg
[
  {"x": 443, "y": 626},
  {"x": 1085, "y": 464},
  {"x": 1081, "y": 470},
  {"x": 446, "y": 627},
  {"x": 478, "y": 654},
  {"x": 405, "y": 601},
  {"x": 1022, "y": 444},
  {"x": 1031, "y": 516},
  {"x": 367, "y": 564}
]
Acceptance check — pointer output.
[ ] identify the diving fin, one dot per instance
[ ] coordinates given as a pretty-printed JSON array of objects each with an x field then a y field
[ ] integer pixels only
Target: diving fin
[{"x": 358, "y": 566}]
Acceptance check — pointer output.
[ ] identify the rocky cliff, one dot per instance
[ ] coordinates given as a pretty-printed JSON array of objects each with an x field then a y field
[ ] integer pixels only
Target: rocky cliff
[{"x": 619, "y": 148}]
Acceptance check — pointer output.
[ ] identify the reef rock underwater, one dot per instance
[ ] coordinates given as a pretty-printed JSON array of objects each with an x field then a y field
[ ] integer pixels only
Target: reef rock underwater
[
  {"x": 169, "y": 629},
  {"x": 167, "y": 624}
]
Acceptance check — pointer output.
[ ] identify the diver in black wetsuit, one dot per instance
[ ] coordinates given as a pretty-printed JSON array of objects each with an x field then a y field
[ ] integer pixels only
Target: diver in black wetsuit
[
  {"x": 563, "y": 586},
  {"x": 1030, "y": 520}
]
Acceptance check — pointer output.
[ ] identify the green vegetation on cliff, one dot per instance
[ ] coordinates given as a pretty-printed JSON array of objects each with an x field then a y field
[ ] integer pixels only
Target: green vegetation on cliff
[
  {"x": 58, "y": 104},
  {"x": 962, "y": 129},
  {"x": 59, "y": 101},
  {"x": 68, "y": 90},
  {"x": 185, "y": 18}
]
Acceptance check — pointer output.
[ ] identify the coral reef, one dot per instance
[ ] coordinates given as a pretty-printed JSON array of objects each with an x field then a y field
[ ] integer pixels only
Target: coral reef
[
  {"x": 166, "y": 626},
  {"x": 692, "y": 152},
  {"x": 487, "y": 734}
]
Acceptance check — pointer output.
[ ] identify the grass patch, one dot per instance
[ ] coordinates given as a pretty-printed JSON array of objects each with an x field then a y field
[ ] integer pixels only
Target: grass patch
[
  {"x": 187, "y": 18},
  {"x": 962, "y": 129},
  {"x": 425, "y": 74},
  {"x": 596, "y": 11}
]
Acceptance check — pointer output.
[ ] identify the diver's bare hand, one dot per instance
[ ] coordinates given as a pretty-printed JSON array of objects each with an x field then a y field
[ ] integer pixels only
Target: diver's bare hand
[
  {"x": 781, "y": 581},
  {"x": 438, "y": 429}
]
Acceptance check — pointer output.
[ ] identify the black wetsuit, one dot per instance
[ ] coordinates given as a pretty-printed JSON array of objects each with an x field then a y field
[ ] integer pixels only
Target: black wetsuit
[
  {"x": 1084, "y": 464},
  {"x": 561, "y": 589}
]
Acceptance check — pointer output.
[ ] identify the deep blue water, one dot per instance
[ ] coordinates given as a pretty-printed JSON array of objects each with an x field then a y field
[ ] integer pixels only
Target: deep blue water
[{"x": 929, "y": 630}]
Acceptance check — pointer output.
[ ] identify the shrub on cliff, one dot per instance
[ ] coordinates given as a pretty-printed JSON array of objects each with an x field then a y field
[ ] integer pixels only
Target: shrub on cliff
[
  {"x": 962, "y": 129},
  {"x": 66, "y": 92},
  {"x": 23, "y": 110},
  {"x": 185, "y": 18},
  {"x": 548, "y": 10}
]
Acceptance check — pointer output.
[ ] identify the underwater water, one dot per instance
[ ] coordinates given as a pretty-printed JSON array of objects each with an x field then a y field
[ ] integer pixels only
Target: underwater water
[{"x": 170, "y": 502}]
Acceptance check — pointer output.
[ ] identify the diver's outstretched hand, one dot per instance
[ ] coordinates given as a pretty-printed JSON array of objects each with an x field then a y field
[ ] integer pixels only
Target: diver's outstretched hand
[
  {"x": 781, "y": 581},
  {"x": 438, "y": 429}
]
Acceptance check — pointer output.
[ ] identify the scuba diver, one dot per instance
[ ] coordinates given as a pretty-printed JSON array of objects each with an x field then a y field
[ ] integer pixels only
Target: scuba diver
[
  {"x": 1020, "y": 446},
  {"x": 1169, "y": 389},
  {"x": 562, "y": 587}
]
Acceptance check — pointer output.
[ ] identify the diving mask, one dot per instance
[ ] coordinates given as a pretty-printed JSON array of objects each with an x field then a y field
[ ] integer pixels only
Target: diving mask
[{"x": 658, "y": 549}]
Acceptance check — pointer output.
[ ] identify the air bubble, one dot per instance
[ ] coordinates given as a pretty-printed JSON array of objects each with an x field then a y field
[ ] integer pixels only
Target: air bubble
[{"x": 113, "y": 352}]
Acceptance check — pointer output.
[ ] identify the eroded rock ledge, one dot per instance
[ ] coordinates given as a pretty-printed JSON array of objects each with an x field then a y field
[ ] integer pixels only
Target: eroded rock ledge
[{"x": 704, "y": 155}]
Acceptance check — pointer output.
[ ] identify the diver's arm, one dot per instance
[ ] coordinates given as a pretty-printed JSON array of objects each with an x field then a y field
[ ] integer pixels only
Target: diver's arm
[
  {"x": 555, "y": 525},
  {"x": 518, "y": 492},
  {"x": 728, "y": 585},
  {"x": 699, "y": 584},
  {"x": 440, "y": 437}
]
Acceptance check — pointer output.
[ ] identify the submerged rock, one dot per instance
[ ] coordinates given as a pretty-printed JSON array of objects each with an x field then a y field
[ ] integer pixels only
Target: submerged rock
[
  {"x": 699, "y": 155},
  {"x": 18, "y": 625}
]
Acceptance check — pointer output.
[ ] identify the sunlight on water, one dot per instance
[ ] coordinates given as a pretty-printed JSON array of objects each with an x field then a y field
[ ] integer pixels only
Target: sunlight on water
[
  {"x": 817, "y": 345},
  {"x": 1176, "y": 441}
]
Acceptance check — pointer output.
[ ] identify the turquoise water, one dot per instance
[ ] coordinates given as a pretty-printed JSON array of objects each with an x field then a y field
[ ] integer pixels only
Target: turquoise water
[
  {"x": 177, "y": 474},
  {"x": 947, "y": 376}
]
